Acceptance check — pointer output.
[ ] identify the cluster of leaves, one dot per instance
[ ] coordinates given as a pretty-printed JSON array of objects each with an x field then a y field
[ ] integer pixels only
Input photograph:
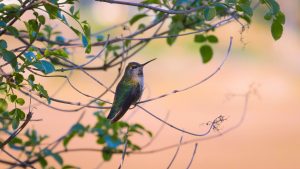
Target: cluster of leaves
[
  {"x": 206, "y": 50},
  {"x": 32, "y": 57},
  {"x": 109, "y": 136},
  {"x": 8, "y": 84},
  {"x": 110, "y": 139},
  {"x": 30, "y": 144},
  {"x": 208, "y": 12},
  {"x": 276, "y": 16}
]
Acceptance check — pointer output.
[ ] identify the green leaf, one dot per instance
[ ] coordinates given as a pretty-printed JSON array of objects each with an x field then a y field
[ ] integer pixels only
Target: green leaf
[
  {"x": 42, "y": 161},
  {"x": 100, "y": 38},
  {"x": 206, "y": 53},
  {"x": 151, "y": 2},
  {"x": 30, "y": 56},
  {"x": 277, "y": 30},
  {"x": 87, "y": 38},
  {"x": 230, "y": 1},
  {"x": 42, "y": 19},
  {"x": 32, "y": 27},
  {"x": 3, "y": 44},
  {"x": 15, "y": 123},
  {"x": 13, "y": 31},
  {"x": 100, "y": 140},
  {"x": 246, "y": 9},
  {"x": 106, "y": 154},
  {"x": 42, "y": 92},
  {"x": 18, "y": 78},
  {"x": 199, "y": 38},
  {"x": 58, "y": 158},
  {"x": 136, "y": 18},
  {"x": 246, "y": 18},
  {"x": 44, "y": 66},
  {"x": 280, "y": 17},
  {"x": 68, "y": 138},
  {"x": 20, "y": 101},
  {"x": 274, "y": 6},
  {"x": 69, "y": 167},
  {"x": 112, "y": 142},
  {"x": 173, "y": 36},
  {"x": 2, "y": 24},
  {"x": 212, "y": 39},
  {"x": 31, "y": 77},
  {"x": 16, "y": 140},
  {"x": 72, "y": 8},
  {"x": 268, "y": 16},
  {"x": 209, "y": 13},
  {"x": 52, "y": 10},
  {"x": 84, "y": 41},
  {"x": 11, "y": 58},
  {"x": 13, "y": 98},
  {"x": 57, "y": 52},
  {"x": 3, "y": 105},
  {"x": 17, "y": 113}
]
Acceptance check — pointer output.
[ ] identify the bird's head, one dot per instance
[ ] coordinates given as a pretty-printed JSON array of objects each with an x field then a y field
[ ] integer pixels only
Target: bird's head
[{"x": 136, "y": 69}]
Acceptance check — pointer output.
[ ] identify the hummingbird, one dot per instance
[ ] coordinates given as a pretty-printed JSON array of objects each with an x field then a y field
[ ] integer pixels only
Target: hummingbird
[{"x": 129, "y": 90}]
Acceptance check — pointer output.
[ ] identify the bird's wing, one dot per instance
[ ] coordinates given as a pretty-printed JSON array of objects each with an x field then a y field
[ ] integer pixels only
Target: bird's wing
[{"x": 124, "y": 97}]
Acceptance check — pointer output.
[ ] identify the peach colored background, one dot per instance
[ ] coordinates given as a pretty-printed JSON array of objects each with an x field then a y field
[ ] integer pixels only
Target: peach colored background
[{"x": 269, "y": 138}]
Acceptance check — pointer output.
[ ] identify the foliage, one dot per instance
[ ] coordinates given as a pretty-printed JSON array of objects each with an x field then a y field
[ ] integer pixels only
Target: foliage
[
  {"x": 108, "y": 137},
  {"x": 45, "y": 51}
]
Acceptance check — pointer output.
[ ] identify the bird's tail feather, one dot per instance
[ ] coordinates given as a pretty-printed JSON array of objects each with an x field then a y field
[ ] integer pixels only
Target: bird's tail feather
[{"x": 115, "y": 116}]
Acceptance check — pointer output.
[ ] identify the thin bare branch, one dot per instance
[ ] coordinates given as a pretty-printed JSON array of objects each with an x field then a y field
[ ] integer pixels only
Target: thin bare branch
[
  {"x": 21, "y": 163},
  {"x": 213, "y": 125},
  {"x": 91, "y": 60},
  {"x": 125, "y": 148},
  {"x": 176, "y": 152},
  {"x": 167, "y": 11},
  {"x": 197, "y": 83},
  {"x": 230, "y": 129},
  {"x": 157, "y": 132},
  {"x": 192, "y": 159}
]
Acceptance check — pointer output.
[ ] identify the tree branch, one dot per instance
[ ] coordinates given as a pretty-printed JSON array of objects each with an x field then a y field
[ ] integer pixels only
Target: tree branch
[
  {"x": 192, "y": 159},
  {"x": 167, "y": 11}
]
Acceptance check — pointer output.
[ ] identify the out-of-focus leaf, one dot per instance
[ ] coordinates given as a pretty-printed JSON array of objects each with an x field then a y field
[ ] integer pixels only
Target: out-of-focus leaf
[
  {"x": 3, "y": 44},
  {"x": 209, "y": 13},
  {"x": 136, "y": 18},
  {"x": 30, "y": 56},
  {"x": 277, "y": 30},
  {"x": 20, "y": 101},
  {"x": 44, "y": 66},
  {"x": 199, "y": 38},
  {"x": 212, "y": 39},
  {"x": 11, "y": 58},
  {"x": 18, "y": 78},
  {"x": 106, "y": 154},
  {"x": 206, "y": 53},
  {"x": 3, "y": 105}
]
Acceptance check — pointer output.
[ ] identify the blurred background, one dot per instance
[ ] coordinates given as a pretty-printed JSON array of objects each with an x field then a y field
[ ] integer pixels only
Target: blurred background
[{"x": 269, "y": 137}]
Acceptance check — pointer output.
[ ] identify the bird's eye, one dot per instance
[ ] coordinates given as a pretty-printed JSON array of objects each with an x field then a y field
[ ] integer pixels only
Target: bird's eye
[{"x": 133, "y": 67}]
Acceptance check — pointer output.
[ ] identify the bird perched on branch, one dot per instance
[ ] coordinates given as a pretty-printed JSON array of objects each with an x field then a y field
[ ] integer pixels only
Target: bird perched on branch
[{"x": 129, "y": 90}]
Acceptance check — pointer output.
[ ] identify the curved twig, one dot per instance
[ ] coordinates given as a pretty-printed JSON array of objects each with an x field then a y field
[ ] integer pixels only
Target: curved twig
[
  {"x": 125, "y": 148},
  {"x": 238, "y": 124},
  {"x": 192, "y": 159},
  {"x": 197, "y": 83},
  {"x": 176, "y": 152},
  {"x": 213, "y": 125}
]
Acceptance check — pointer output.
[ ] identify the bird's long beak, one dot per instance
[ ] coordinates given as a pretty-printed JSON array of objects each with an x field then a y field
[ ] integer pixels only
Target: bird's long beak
[{"x": 148, "y": 62}]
